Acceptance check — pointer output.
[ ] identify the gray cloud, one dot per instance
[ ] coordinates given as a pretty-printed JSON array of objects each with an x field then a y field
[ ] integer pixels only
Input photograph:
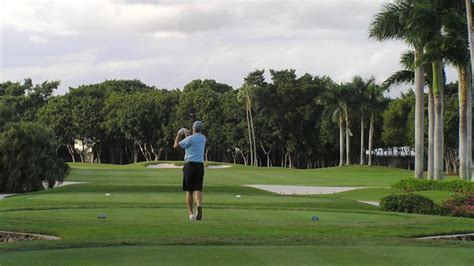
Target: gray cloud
[{"x": 169, "y": 43}]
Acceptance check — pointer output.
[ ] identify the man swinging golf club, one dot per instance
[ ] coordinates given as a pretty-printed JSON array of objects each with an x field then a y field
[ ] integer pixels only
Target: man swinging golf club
[{"x": 193, "y": 170}]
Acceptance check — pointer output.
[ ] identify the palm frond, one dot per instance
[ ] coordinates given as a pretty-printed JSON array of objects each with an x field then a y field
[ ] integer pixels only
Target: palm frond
[
  {"x": 407, "y": 59},
  {"x": 386, "y": 24},
  {"x": 399, "y": 77}
]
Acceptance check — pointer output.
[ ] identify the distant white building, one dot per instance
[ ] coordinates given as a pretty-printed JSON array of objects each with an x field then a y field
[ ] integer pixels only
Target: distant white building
[{"x": 394, "y": 151}]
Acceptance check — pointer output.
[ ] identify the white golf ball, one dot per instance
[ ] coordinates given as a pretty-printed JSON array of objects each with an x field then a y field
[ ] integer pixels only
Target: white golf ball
[
  {"x": 238, "y": 196},
  {"x": 107, "y": 194}
]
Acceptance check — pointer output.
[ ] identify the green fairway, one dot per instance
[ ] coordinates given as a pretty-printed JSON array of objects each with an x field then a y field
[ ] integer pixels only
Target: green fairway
[
  {"x": 147, "y": 222},
  {"x": 241, "y": 255}
]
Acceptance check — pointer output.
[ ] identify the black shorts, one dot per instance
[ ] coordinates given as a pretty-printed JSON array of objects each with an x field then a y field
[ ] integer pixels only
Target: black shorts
[{"x": 193, "y": 174}]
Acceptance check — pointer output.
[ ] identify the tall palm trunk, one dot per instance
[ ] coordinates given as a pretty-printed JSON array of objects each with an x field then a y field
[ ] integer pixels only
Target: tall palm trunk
[
  {"x": 471, "y": 49},
  {"x": 341, "y": 142},
  {"x": 431, "y": 116},
  {"x": 464, "y": 94},
  {"x": 253, "y": 135},
  {"x": 249, "y": 132},
  {"x": 348, "y": 132},
  {"x": 469, "y": 131},
  {"x": 362, "y": 148},
  {"x": 371, "y": 136},
  {"x": 419, "y": 116},
  {"x": 438, "y": 127}
]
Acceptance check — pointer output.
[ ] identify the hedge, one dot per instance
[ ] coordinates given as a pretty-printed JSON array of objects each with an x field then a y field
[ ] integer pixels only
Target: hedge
[{"x": 412, "y": 184}]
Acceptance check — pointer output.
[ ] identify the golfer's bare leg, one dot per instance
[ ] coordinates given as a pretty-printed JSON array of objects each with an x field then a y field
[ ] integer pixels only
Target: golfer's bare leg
[
  {"x": 189, "y": 201},
  {"x": 198, "y": 198}
]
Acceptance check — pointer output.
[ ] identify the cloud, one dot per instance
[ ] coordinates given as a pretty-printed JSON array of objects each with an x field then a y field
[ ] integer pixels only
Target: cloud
[
  {"x": 64, "y": 16},
  {"x": 167, "y": 43},
  {"x": 37, "y": 39}
]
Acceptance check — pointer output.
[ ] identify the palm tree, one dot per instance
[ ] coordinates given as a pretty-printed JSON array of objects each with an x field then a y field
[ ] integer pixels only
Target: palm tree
[
  {"x": 471, "y": 51},
  {"x": 337, "y": 106},
  {"x": 436, "y": 18},
  {"x": 374, "y": 101},
  {"x": 245, "y": 96},
  {"x": 398, "y": 21},
  {"x": 407, "y": 75},
  {"x": 457, "y": 53},
  {"x": 348, "y": 134},
  {"x": 360, "y": 89}
]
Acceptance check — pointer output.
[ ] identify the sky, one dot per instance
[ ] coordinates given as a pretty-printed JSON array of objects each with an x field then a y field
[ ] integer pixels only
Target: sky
[{"x": 168, "y": 43}]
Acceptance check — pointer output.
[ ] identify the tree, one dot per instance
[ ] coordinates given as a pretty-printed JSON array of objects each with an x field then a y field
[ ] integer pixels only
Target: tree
[
  {"x": 6, "y": 115},
  {"x": 451, "y": 126},
  {"x": 56, "y": 114},
  {"x": 360, "y": 89},
  {"x": 26, "y": 98},
  {"x": 29, "y": 157},
  {"x": 200, "y": 100},
  {"x": 86, "y": 105},
  {"x": 430, "y": 23},
  {"x": 456, "y": 51},
  {"x": 244, "y": 95},
  {"x": 407, "y": 75},
  {"x": 400, "y": 21},
  {"x": 233, "y": 127},
  {"x": 335, "y": 99},
  {"x": 396, "y": 126},
  {"x": 87, "y": 112},
  {"x": 375, "y": 104},
  {"x": 471, "y": 53}
]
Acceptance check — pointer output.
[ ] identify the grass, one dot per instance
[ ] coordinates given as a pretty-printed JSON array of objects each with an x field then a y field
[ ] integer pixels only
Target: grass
[{"x": 147, "y": 223}]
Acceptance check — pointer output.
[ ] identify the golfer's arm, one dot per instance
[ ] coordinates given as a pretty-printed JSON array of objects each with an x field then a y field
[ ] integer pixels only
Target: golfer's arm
[{"x": 176, "y": 141}]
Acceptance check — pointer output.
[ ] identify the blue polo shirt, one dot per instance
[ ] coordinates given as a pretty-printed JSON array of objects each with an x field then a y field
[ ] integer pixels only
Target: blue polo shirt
[{"x": 194, "y": 147}]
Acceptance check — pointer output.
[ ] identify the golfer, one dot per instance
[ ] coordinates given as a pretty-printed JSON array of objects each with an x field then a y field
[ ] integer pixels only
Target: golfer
[{"x": 193, "y": 170}]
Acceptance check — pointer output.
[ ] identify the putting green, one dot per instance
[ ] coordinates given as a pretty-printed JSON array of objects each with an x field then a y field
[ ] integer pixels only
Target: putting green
[{"x": 147, "y": 223}]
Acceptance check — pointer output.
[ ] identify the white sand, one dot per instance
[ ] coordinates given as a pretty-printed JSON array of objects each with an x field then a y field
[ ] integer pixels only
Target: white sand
[
  {"x": 2, "y": 196},
  {"x": 65, "y": 183},
  {"x": 447, "y": 237},
  {"x": 303, "y": 190},
  {"x": 218, "y": 166},
  {"x": 373, "y": 203},
  {"x": 164, "y": 166},
  {"x": 173, "y": 166},
  {"x": 45, "y": 237}
]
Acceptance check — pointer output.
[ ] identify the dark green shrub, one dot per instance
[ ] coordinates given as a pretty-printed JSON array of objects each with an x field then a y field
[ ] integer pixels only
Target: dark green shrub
[
  {"x": 412, "y": 184},
  {"x": 29, "y": 157},
  {"x": 409, "y": 203},
  {"x": 460, "y": 205},
  {"x": 455, "y": 186}
]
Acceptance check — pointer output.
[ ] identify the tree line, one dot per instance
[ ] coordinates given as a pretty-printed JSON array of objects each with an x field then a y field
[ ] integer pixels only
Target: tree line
[{"x": 292, "y": 121}]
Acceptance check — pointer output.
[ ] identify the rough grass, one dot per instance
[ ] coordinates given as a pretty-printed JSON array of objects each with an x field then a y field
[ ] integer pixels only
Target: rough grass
[{"x": 147, "y": 223}]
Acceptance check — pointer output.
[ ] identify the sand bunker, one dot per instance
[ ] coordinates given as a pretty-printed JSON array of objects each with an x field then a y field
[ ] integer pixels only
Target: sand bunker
[
  {"x": 462, "y": 237},
  {"x": 373, "y": 203},
  {"x": 65, "y": 183},
  {"x": 9, "y": 237},
  {"x": 2, "y": 196},
  {"x": 218, "y": 166},
  {"x": 173, "y": 166},
  {"x": 164, "y": 166},
  {"x": 45, "y": 185},
  {"x": 303, "y": 190}
]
